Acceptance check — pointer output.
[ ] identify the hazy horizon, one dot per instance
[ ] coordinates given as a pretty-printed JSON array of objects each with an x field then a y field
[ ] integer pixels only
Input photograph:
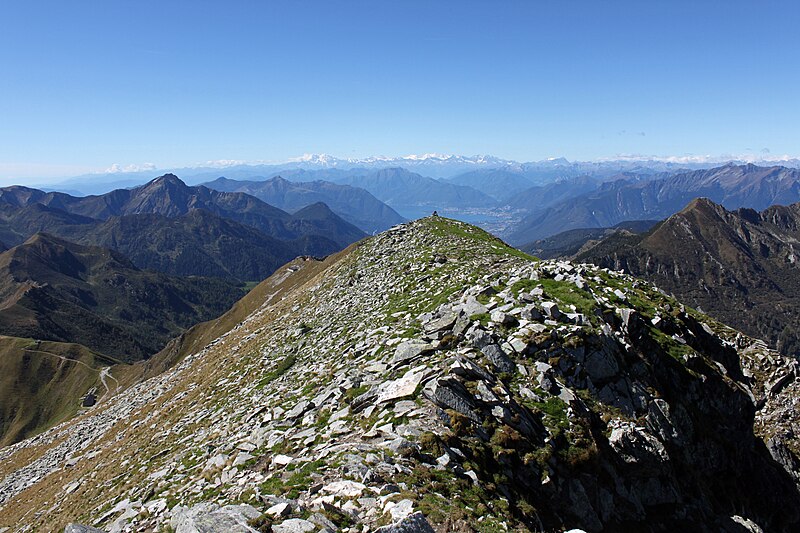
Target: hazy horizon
[{"x": 119, "y": 171}]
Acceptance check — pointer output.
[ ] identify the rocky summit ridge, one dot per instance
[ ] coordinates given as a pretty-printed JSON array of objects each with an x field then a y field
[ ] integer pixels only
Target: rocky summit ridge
[{"x": 432, "y": 378}]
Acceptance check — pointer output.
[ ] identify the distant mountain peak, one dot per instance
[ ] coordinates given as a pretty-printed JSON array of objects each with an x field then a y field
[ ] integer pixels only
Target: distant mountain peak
[
  {"x": 315, "y": 211},
  {"x": 356, "y": 205},
  {"x": 278, "y": 179},
  {"x": 733, "y": 185},
  {"x": 426, "y": 159},
  {"x": 46, "y": 238},
  {"x": 170, "y": 179},
  {"x": 168, "y": 185},
  {"x": 744, "y": 261},
  {"x": 701, "y": 203}
]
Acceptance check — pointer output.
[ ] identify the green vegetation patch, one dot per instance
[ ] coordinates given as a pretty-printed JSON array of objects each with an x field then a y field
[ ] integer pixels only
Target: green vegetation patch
[
  {"x": 567, "y": 293},
  {"x": 285, "y": 364},
  {"x": 483, "y": 318},
  {"x": 555, "y": 409},
  {"x": 445, "y": 227},
  {"x": 672, "y": 347},
  {"x": 298, "y": 481}
]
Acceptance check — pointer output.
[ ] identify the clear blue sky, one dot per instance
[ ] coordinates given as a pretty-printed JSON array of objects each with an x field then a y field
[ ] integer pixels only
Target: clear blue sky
[{"x": 85, "y": 85}]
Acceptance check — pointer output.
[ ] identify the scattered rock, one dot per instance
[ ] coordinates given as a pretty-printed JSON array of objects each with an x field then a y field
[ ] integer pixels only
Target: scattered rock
[
  {"x": 451, "y": 394},
  {"x": 282, "y": 460},
  {"x": 414, "y": 523},
  {"x": 400, "y": 388},
  {"x": 345, "y": 489},
  {"x": 208, "y": 517},
  {"x": 446, "y": 321},
  {"x": 634, "y": 445},
  {"x": 80, "y": 528},
  {"x": 473, "y": 307},
  {"x": 279, "y": 510},
  {"x": 400, "y": 510},
  {"x": 498, "y": 358},
  {"x": 409, "y": 351},
  {"x": 550, "y": 310},
  {"x": 294, "y": 525},
  {"x": 465, "y": 368}
]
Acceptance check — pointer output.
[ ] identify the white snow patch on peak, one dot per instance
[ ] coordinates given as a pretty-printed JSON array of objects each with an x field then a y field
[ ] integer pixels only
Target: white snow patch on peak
[
  {"x": 322, "y": 159},
  {"x": 432, "y": 157},
  {"x": 762, "y": 158},
  {"x": 116, "y": 168},
  {"x": 223, "y": 163}
]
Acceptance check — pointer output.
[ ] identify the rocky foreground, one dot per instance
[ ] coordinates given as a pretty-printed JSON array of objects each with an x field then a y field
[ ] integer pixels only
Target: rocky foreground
[{"x": 433, "y": 379}]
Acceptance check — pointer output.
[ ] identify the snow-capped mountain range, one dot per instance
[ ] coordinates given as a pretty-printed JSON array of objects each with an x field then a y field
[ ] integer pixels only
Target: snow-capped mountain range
[
  {"x": 490, "y": 161},
  {"x": 432, "y": 165},
  {"x": 436, "y": 165}
]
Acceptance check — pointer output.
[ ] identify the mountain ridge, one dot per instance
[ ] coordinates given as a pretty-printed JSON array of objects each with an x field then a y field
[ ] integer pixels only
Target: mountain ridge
[
  {"x": 357, "y": 206},
  {"x": 53, "y": 289},
  {"x": 732, "y": 186},
  {"x": 169, "y": 196},
  {"x": 69, "y": 313},
  {"x": 198, "y": 243},
  {"x": 443, "y": 166},
  {"x": 739, "y": 266},
  {"x": 239, "y": 236},
  {"x": 570, "y": 243},
  {"x": 468, "y": 383},
  {"x": 411, "y": 193}
]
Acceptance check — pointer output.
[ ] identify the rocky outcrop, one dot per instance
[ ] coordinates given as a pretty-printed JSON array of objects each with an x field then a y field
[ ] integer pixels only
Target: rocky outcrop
[
  {"x": 413, "y": 523},
  {"x": 206, "y": 517},
  {"x": 738, "y": 266},
  {"x": 432, "y": 378}
]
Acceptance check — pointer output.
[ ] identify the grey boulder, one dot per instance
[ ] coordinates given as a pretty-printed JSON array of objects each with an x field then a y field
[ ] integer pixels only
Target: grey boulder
[
  {"x": 413, "y": 523},
  {"x": 80, "y": 528}
]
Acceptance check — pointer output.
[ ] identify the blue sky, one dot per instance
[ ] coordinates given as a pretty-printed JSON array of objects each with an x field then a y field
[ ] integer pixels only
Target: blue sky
[{"x": 85, "y": 85}]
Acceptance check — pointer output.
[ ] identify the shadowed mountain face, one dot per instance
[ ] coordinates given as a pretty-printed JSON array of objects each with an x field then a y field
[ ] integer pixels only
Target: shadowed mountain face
[
  {"x": 501, "y": 184},
  {"x": 170, "y": 197},
  {"x": 742, "y": 266},
  {"x": 198, "y": 243},
  {"x": 568, "y": 243},
  {"x": 18, "y": 223},
  {"x": 402, "y": 190},
  {"x": 731, "y": 186},
  {"x": 538, "y": 198},
  {"x": 56, "y": 290},
  {"x": 353, "y": 204},
  {"x": 166, "y": 195},
  {"x": 172, "y": 228}
]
